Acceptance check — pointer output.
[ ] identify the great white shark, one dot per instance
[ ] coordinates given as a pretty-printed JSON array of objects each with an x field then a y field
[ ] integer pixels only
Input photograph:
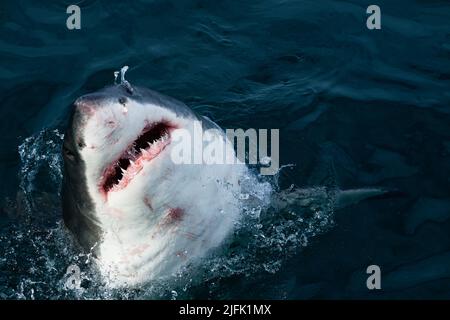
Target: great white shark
[{"x": 124, "y": 199}]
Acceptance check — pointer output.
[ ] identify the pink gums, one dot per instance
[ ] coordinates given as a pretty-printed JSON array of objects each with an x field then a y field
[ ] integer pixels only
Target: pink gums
[
  {"x": 149, "y": 154},
  {"x": 138, "y": 165}
]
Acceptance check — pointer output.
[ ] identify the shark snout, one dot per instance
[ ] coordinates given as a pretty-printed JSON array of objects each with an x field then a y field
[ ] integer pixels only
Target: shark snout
[{"x": 87, "y": 105}]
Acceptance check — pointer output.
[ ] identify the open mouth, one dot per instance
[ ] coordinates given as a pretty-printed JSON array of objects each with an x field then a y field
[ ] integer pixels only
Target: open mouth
[{"x": 153, "y": 139}]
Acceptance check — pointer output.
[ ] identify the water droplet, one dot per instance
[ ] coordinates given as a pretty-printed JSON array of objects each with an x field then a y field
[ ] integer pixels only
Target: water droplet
[{"x": 244, "y": 196}]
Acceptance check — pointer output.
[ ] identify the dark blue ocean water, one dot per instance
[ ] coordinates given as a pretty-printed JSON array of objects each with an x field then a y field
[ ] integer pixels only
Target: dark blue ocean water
[{"x": 354, "y": 106}]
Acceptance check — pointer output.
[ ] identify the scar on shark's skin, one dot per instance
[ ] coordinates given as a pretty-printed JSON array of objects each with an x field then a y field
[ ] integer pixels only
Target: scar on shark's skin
[
  {"x": 148, "y": 203},
  {"x": 170, "y": 222},
  {"x": 190, "y": 235},
  {"x": 172, "y": 217}
]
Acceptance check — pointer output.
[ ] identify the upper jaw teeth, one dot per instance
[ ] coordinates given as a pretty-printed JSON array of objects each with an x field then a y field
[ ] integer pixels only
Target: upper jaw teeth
[{"x": 134, "y": 154}]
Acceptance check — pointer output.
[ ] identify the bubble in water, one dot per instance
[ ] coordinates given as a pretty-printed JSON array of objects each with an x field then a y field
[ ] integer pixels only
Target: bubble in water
[{"x": 244, "y": 196}]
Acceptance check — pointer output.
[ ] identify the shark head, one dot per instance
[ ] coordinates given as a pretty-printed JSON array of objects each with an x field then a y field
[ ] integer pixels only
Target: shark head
[{"x": 142, "y": 214}]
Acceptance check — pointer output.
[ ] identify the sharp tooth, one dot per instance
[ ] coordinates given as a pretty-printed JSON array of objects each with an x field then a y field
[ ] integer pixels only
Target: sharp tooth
[
  {"x": 123, "y": 170},
  {"x": 132, "y": 162}
]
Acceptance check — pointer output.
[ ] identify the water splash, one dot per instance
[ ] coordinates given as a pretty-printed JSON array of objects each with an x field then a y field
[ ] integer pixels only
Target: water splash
[
  {"x": 123, "y": 81},
  {"x": 39, "y": 151}
]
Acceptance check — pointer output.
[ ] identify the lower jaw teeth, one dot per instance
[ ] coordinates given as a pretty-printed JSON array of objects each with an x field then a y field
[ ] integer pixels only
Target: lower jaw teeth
[{"x": 134, "y": 156}]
